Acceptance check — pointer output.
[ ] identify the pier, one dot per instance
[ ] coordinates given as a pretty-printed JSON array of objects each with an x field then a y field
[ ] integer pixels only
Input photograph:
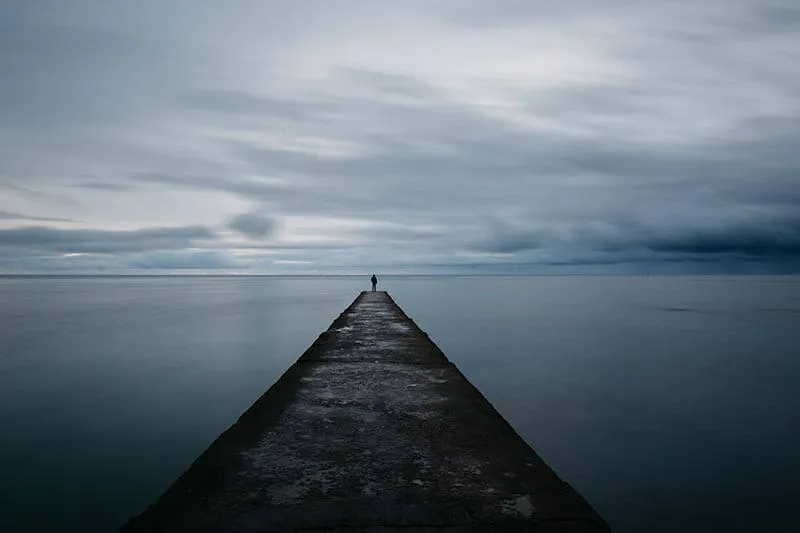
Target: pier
[{"x": 372, "y": 429}]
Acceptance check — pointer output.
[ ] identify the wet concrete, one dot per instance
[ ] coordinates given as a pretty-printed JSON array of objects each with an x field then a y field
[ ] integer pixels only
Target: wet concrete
[{"x": 372, "y": 429}]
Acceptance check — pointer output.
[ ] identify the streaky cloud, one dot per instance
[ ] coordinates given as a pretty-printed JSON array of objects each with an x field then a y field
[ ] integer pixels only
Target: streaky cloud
[
  {"x": 104, "y": 241},
  {"x": 8, "y": 215}
]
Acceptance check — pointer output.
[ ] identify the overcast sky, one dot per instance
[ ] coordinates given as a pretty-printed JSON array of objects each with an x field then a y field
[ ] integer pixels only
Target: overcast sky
[{"x": 417, "y": 136}]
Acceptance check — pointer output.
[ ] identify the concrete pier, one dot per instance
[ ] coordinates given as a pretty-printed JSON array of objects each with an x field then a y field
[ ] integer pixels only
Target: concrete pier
[{"x": 372, "y": 429}]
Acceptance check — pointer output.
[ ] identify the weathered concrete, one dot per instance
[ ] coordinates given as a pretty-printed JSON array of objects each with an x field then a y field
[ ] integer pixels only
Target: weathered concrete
[{"x": 372, "y": 429}]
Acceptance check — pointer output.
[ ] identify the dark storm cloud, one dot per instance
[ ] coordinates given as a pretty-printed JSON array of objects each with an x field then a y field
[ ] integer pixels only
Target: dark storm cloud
[
  {"x": 769, "y": 240},
  {"x": 252, "y": 225},
  {"x": 764, "y": 238},
  {"x": 104, "y": 242}
]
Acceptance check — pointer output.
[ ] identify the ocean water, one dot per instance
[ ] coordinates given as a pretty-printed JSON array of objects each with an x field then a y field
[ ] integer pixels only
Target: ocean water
[{"x": 670, "y": 403}]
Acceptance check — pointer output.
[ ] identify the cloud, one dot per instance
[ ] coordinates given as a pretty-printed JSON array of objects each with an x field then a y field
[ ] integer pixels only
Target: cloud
[
  {"x": 252, "y": 225},
  {"x": 390, "y": 84},
  {"x": 248, "y": 104},
  {"x": 775, "y": 240},
  {"x": 7, "y": 215},
  {"x": 105, "y": 186},
  {"x": 103, "y": 241},
  {"x": 245, "y": 187},
  {"x": 502, "y": 238},
  {"x": 750, "y": 238},
  {"x": 183, "y": 260},
  {"x": 534, "y": 134}
]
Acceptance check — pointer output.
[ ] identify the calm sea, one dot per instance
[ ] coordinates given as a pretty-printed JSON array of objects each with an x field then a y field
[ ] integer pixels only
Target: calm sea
[{"x": 670, "y": 403}]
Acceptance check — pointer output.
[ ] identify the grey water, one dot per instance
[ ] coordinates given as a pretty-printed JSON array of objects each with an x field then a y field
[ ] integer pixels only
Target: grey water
[{"x": 670, "y": 403}]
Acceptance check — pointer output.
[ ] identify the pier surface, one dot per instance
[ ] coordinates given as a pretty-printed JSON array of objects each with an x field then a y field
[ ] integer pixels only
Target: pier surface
[{"x": 372, "y": 429}]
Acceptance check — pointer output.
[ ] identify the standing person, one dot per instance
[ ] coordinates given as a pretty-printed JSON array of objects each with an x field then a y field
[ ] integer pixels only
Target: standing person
[{"x": 374, "y": 281}]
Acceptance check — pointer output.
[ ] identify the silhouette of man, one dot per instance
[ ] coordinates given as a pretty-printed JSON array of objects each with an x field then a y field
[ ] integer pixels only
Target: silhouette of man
[{"x": 374, "y": 281}]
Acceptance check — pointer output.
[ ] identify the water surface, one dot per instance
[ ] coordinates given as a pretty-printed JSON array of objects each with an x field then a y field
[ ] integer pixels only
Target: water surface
[{"x": 669, "y": 402}]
